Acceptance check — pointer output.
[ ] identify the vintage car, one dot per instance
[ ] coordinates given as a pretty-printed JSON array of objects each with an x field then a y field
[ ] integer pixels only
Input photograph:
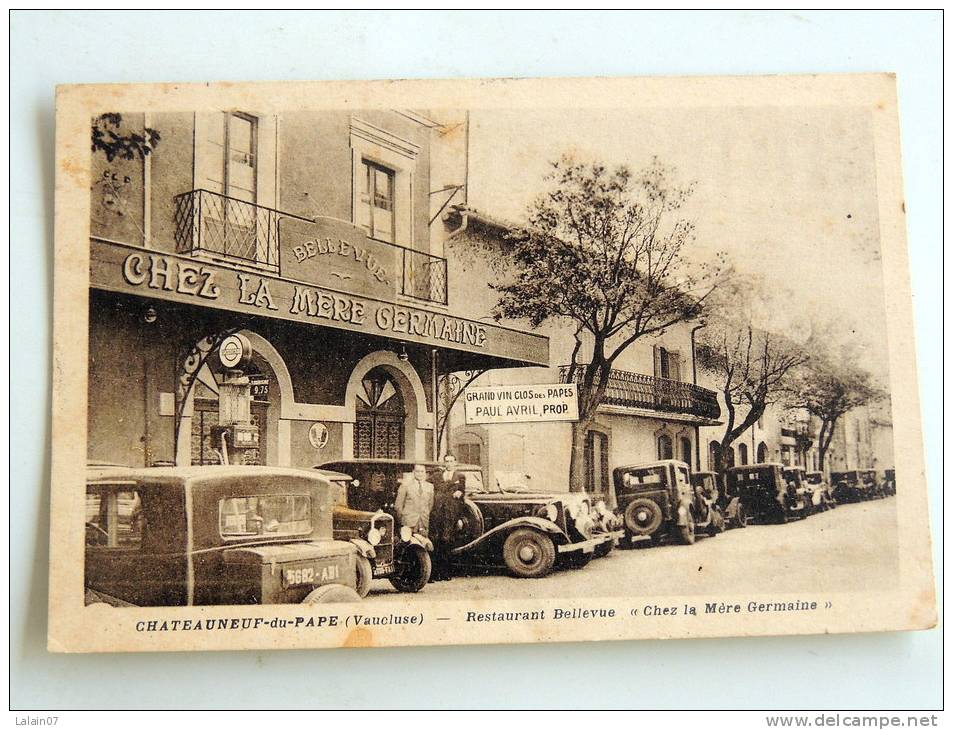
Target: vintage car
[
  {"x": 814, "y": 497},
  {"x": 658, "y": 499},
  {"x": 874, "y": 485},
  {"x": 711, "y": 486},
  {"x": 764, "y": 492},
  {"x": 528, "y": 529},
  {"x": 850, "y": 486},
  {"x": 889, "y": 482},
  {"x": 213, "y": 535},
  {"x": 817, "y": 482},
  {"x": 364, "y": 514}
]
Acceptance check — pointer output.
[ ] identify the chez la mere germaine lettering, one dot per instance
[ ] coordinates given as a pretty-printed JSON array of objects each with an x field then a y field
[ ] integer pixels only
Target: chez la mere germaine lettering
[{"x": 163, "y": 273}]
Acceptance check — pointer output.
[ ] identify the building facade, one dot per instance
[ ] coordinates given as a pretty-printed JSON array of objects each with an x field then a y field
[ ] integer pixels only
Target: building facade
[
  {"x": 652, "y": 409},
  {"x": 302, "y": 241}
]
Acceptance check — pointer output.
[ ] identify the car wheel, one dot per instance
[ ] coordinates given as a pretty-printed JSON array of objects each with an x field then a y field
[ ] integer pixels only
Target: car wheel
[
  {"x": 529, "y": 553},
  {"x": 471, "y": 524},
  {"x": 365, "y": 575},
  {"x": 717, "y": 522},
  {"x": 333, "y": 593},
  {"x": 413, "y": 570},
  {"x": 741, "y": 517},
  {"x": 686, "y": 532},
  {"x": 643, "y": 516}
]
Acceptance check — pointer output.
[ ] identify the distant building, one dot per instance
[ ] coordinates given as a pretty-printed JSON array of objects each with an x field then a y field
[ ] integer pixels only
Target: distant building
[{"x": 652, "y": 409}]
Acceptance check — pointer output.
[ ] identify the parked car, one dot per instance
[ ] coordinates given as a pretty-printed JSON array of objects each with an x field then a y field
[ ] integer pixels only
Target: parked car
[
  {"x": 873, "y": 484},
  {"x": 814, "y": 498},
  {"x": 213, "y": 535},
  {"x": 817, "y": 482},
  {"x": 710, "y": 483},
  {"x": 528, "y": 529},
  {"x": 889, "y": 482},
  {"x": 658, "y": 499},
  {"x": 364, "y": 514},
  {"x": 764, "y": 492},
  {"x": 850, "y": 486}
]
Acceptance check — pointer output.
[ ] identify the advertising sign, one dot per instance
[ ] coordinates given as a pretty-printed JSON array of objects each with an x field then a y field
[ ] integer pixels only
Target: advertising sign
[{"x": 521, "y": 404}]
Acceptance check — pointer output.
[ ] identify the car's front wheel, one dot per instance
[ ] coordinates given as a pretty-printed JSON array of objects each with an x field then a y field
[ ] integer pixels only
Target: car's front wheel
[
  {"x": 333, "y": 593},
  {"x": 529, "y": 553},
  {"x": 365, "y": 575},
  {"x": 413, "y": 570},
  {"x": 686, "y": 532}
]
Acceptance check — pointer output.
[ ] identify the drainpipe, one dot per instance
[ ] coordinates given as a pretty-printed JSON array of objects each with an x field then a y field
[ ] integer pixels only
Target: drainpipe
[
  {"x": 698, "y": 449},
  {"x": 433, "y": 395}
]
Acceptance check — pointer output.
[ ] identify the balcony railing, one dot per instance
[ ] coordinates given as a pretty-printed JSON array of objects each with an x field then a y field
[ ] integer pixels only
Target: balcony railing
[
  {"x": 635, "y": 390},
  {"x": 236, "y": 231},
  {"x": 227, "y": 228}
]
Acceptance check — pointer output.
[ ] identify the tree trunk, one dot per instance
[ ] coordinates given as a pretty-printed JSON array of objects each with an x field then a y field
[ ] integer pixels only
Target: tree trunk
[
  {"x": 577, "y": 457},
  {"x": 824, "y": 441}
]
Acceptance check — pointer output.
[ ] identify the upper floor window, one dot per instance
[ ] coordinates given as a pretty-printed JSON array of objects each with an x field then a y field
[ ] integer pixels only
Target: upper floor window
[
  {"x": 376, "y": 209},
  {"x": 236, "y": 143},
  {"x": 667, "y": 364}
]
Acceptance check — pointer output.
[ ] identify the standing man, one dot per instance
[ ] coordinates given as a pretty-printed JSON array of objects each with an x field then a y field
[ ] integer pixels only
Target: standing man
[
  {"x": 447, "y": 512},
  {"x": 415, "y": 501}
]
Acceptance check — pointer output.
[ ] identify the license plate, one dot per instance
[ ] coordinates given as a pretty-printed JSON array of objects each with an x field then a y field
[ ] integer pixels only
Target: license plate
[{"x": 300, "y": 575}]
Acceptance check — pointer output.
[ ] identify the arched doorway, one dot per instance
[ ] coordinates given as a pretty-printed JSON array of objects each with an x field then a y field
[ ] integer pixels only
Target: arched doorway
[
  {"x": 762, "y": 453},
  {"x": 379, "y": 417}
]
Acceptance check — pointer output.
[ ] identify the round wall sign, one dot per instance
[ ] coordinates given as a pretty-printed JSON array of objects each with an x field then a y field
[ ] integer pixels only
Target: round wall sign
[
  {"x": 318, "y": 435},
  {"x": 234, "y": 350}
]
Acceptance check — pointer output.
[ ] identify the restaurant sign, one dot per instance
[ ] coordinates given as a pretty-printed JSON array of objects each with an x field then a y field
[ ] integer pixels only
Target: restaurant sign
[{"x": 116, "y": 267}]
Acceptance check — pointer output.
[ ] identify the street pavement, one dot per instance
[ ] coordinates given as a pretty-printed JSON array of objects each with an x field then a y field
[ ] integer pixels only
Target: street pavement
[{"x": 850, "y": 548}]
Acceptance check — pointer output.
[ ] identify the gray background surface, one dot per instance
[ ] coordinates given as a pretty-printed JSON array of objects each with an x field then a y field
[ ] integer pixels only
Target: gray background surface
[{"x": 48, "y": 48}]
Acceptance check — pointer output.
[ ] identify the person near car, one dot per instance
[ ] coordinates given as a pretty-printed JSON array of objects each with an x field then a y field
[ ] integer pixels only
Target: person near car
[
  {"x": 414, "y": 501},
  {"x": 446, "y": 516}
]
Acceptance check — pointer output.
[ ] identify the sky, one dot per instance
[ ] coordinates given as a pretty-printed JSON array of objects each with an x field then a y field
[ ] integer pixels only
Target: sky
[{"x": 789, "y": 193}]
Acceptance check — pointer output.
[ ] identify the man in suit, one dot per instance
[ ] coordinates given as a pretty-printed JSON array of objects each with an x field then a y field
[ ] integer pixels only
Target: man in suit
[
  {"x": 415, "y": 501},
  {"x": 447, "y": 513}
]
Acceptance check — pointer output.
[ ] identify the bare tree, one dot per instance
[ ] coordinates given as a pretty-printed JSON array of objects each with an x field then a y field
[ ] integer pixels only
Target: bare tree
[
  {"x": 751, "y": 364},
  {"x": 827, "y": 388},
  {"x": 603, "y": 250}
]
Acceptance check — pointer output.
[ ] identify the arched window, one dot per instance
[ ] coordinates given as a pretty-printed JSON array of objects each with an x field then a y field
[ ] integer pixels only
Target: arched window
[
  {"x": 762, "y": 453},
  {"x": 729, "y": 457},
  {"x": 665, "y": 450},
  {"x": 714, "y": 454},
  {"x": 743, "y": 453},
  {"x": 686, "y": 450}
]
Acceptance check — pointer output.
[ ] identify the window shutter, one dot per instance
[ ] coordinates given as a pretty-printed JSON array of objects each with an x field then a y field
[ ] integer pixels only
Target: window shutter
[
  {"x": 675, "y": 366},
  {"x": 657, "y": 355}
]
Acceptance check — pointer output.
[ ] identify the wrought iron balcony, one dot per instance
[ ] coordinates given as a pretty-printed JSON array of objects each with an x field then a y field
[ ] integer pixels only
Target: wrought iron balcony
[
  {"x": 646, "y": 392},
  {"x": 236, "y": 231},
  {"x": 227, "y": 228}
]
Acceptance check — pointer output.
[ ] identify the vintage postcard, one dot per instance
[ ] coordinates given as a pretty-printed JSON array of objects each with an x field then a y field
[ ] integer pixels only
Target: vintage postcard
[{"x": 480, "y": 361}]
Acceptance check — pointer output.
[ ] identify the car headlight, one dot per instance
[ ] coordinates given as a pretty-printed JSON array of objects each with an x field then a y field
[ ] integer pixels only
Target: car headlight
[
  {"x": 584, "y": 525},
  {"x": 548, "y": 512},
  {"x": 374, "y": 536},
  {"x": 406, "y": 533}
]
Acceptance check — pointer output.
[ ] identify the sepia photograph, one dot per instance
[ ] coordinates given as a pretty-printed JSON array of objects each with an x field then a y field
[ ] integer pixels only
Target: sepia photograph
[{"x": 488, "y": 372}]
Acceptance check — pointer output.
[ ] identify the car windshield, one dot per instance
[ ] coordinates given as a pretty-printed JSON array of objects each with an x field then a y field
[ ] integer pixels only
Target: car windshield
[
  {"x": 792, "y": 477},
  {"x": 514, "y": 481},
  {"x": 653, "y": 476},
  {"x": 474, "y": 481},
  {"x": 270, "y": 515},
  {"x": 815, "y": 478}
]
